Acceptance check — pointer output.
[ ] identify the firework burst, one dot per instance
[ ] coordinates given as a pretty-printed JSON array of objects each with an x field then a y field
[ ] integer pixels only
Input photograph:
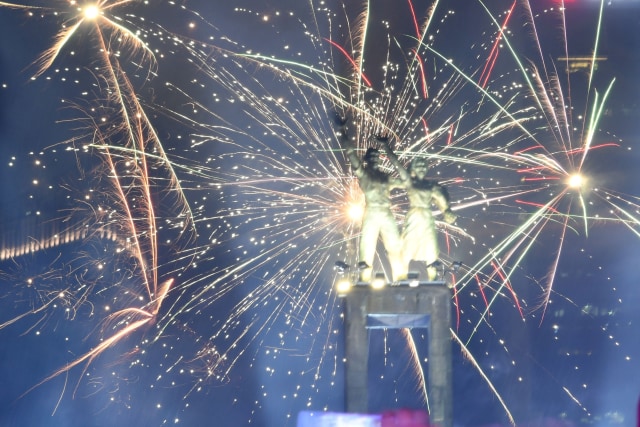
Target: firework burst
[{"x": 257, "y": 172}]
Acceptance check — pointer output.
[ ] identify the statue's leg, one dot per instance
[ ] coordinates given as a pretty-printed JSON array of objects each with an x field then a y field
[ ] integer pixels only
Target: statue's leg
[
  {"x": 368, "y": 241},
  {"x": 408, "y": 241},
  {"x": 392, "y": 244},
  {"x": 420, "y": 240},
  {"x": 431, "y": 250}
]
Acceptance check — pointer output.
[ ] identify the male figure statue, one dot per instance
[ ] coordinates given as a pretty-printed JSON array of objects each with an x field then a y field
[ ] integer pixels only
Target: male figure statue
[{"x": 378, "y": 219}]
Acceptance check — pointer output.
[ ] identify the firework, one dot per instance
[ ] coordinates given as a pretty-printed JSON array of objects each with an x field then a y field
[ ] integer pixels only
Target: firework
[{"x": 241, "y": 149}]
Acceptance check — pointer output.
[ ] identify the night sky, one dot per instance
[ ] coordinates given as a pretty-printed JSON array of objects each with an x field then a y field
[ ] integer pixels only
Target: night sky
[{"x": 184, "y": 155}]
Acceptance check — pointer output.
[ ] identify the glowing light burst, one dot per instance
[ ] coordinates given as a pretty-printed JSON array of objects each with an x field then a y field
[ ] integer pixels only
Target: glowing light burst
[
  {"x": 126, "y": 184},
  {"x": 255, "y": 163},
  {"x": 104, "y": 27},
  {"x": 561, "y": 157},
  {"x": 91, "y": 11}
]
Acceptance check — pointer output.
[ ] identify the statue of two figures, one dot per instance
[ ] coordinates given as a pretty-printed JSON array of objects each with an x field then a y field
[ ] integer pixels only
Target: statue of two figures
[{"x": 418, "y": 239}]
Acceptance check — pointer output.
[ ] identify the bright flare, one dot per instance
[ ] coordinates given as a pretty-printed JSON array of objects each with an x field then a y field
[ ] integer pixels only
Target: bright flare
[
  {"x": 91, "y": 12},
  {"x": 343, "y": 286},
  {"x": 378, "y": 282},
  {"x": 355, "y": 212},
  {"x": 576, "y": 181}
]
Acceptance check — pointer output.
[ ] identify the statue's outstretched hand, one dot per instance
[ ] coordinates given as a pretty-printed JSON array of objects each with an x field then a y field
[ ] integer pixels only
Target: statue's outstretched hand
[{"x": 449, "y": 216}]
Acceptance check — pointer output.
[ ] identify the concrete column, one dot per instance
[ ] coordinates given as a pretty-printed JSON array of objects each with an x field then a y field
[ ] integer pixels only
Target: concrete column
[{"x": 426, "y": 305}]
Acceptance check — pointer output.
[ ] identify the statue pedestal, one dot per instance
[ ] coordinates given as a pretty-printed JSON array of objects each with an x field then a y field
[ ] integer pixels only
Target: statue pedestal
[{"x": 422, "y": 305}]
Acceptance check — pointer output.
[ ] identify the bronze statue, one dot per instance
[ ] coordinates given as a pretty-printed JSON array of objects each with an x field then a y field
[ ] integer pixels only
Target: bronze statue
[
  {"x": 419, "y": 237},
  {"x": 378, "y": 219}
]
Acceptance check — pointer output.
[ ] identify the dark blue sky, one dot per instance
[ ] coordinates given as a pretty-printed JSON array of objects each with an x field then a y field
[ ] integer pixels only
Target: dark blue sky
[{"x": 248, "y": 336}]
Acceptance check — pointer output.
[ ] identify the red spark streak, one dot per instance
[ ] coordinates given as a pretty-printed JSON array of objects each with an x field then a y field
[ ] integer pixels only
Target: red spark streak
[
  {"x": 493, "y": 56},
  {"x": 582, "y": 149},
  {"x": 484, "y": 296},
  {"x": 508, "y": 285},
  {"x": 355, "y": 66},
  {"x": 415, "y": 20},
  {"x": 423, "y": 77},
  {"x": 537, "y": 205},
  {"x": 533, "y": 147}
]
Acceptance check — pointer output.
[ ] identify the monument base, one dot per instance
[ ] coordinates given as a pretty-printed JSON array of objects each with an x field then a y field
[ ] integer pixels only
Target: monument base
[{"x": 403, "y": 306}]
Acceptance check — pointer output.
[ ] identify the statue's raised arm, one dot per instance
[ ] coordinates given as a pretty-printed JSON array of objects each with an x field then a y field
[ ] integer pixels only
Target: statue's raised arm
[
  {"x": 393, "y": 158},
  {"x": 346, "y": 143}
]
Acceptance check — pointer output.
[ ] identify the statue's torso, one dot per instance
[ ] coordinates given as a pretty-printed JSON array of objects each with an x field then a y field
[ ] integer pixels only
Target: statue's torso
[
  {"x": 420, "y": 193},
  {"x": 376, "y": 186}
]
